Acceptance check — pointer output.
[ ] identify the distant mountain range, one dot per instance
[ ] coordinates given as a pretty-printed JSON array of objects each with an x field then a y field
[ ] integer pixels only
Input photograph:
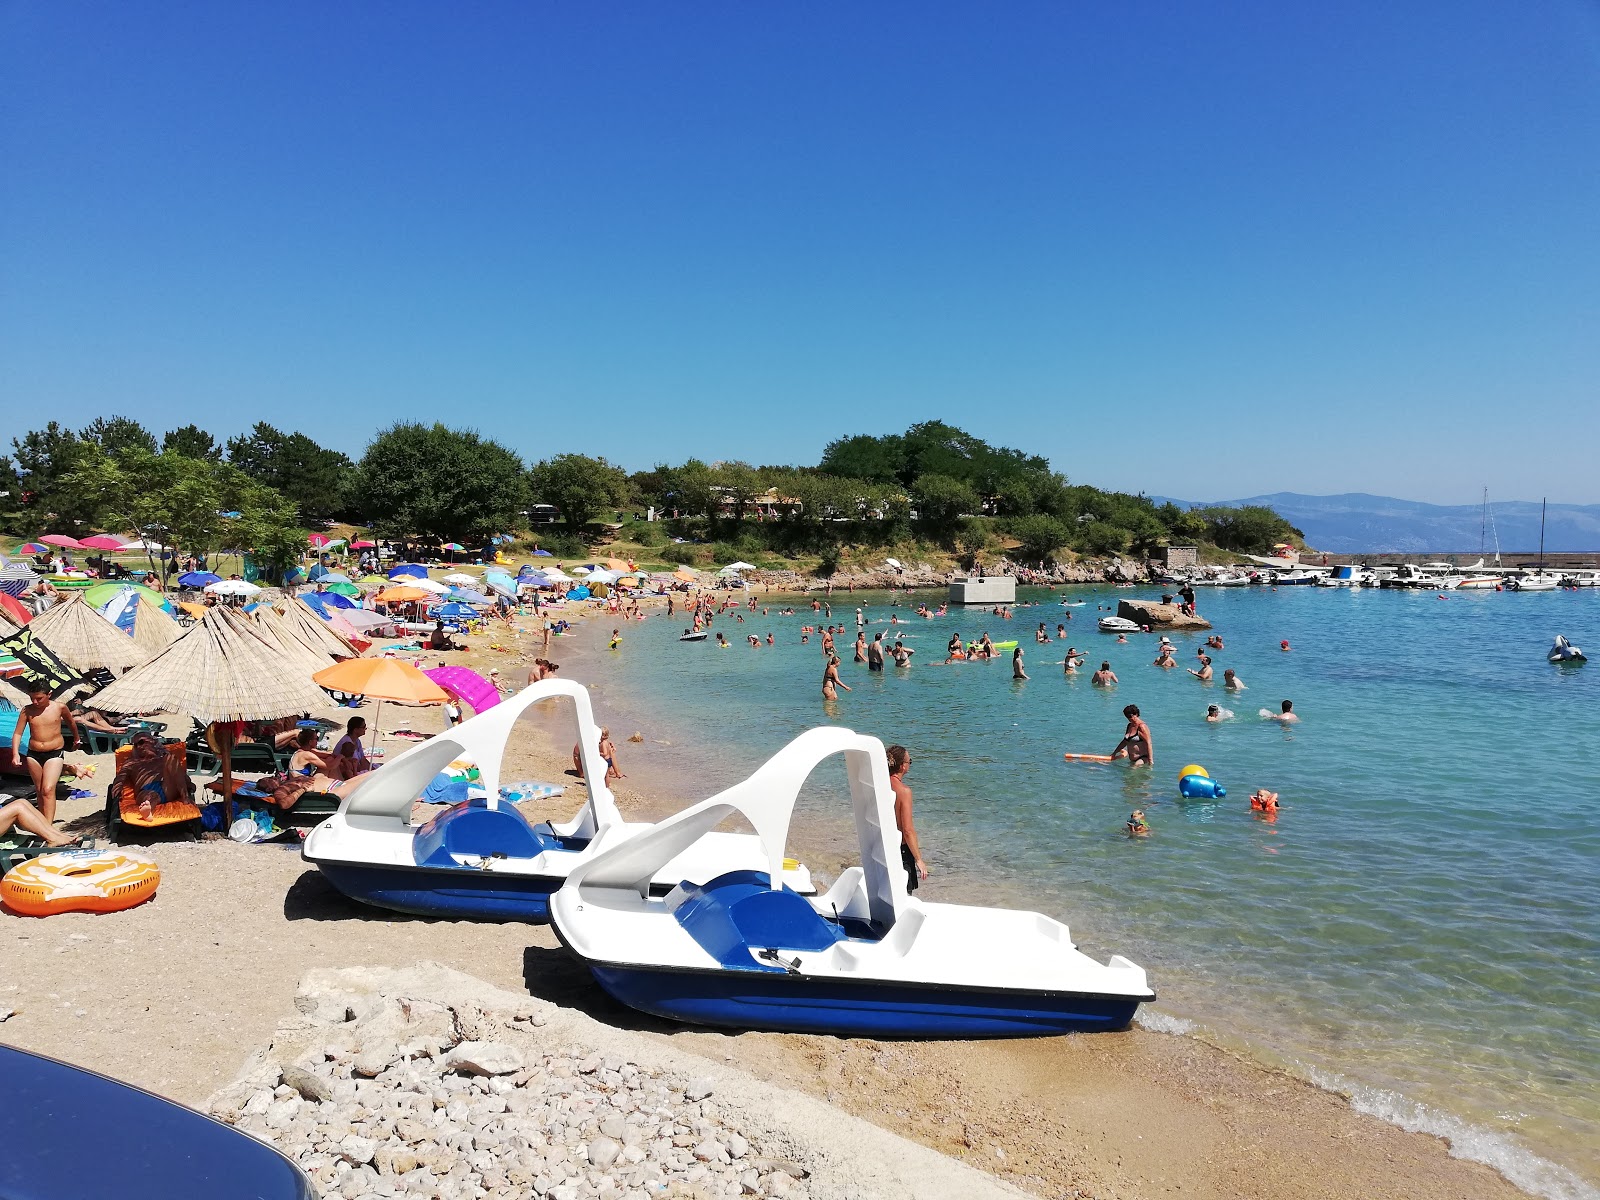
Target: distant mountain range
[{"x": 1356, "y": 523}]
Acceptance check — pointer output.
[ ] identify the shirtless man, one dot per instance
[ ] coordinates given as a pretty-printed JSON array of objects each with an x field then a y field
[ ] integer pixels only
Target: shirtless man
[
  {"x": 827, "y": 643},
  {"x": 875, "y": 653},
  {"x": 1165, "y": 660},
  {"x": 42, "y": 718},
  {"x": 1204, "y": 673},
  {"x": 1231, "y": 681},
  {"x": 1286, "y": 717},
  {"x": 910, "y": 852},
  {"x": 1104, "y": 677},
  {"x": 861, "y": 647},
  {"x": 1137, "y": 746}
]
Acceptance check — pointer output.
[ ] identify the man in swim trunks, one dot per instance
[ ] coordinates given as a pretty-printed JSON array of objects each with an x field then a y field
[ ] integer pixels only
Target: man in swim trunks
[
  {"x": 42, "y": 718},
  {"x": 1104, "y": 677},
  {"x": 1204, "y": 673},
  {"x": 1137, "y": 746},
  {"x": 875, "y": 653},
  {"x": 910, "y": 852},
  {"x": 1286, "y": 717}
]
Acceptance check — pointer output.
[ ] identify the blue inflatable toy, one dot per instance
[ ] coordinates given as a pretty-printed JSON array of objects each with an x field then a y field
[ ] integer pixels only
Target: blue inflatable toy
[{"x": 1200, "y": 787}]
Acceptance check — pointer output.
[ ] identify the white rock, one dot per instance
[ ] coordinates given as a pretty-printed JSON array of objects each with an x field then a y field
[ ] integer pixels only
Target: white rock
[
  {"x": 311, "y": 1086},
  {"x": 357, "y": 1150},
  {"x": 737, "y": 1146},
  {"x": 699, "y": 1088},
  {"x": 602, "y": 1152},
  {"x": 373, "y": 1060},
  {"x": 484, "y": 1058}
]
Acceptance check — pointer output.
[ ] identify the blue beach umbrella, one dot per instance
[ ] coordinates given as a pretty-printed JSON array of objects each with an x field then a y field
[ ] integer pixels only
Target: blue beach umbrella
[
  {"x": 334, "y": 577},
  {"x": 415, "y": 570},
  {"x": 468, "y": 596},
  {"x": 543, "y": 554},
  {"x": 198, "y": 579},
  {"x": 457, "y": 611}
]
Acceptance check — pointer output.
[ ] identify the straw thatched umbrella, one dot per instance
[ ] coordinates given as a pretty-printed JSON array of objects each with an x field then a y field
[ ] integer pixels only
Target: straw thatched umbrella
[
  {"x": 300, "y": 615},
  {"x": 85, "y": 640},
  {"x": 223, "y": 669},
  {"x": 272, "y": 626},
  {"x": 153, "y": 627}
]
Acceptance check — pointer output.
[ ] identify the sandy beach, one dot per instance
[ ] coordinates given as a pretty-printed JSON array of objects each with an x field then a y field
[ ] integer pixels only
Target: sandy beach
[{"x": 174, "y": 994}]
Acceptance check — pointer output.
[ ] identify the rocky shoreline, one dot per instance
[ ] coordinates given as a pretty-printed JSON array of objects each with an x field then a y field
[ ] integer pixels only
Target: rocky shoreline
[
  {"x": 426, "y": 1082},
  {"x": 922, "y": 575}
]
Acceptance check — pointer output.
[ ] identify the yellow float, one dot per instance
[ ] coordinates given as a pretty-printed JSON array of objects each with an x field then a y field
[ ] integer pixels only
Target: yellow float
[{"x": 79, "y": 881}]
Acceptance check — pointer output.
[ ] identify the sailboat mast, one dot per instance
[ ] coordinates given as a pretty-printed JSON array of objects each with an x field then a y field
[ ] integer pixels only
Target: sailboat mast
[
  {"x": 1542, "y": 504},
  {"x": 1483, "y": 526}
]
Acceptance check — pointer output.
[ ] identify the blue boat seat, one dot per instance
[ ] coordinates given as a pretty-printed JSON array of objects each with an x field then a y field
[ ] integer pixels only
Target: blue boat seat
[
  {"x": 474, "y": 830},
  {"x": 738, "y": 913}
]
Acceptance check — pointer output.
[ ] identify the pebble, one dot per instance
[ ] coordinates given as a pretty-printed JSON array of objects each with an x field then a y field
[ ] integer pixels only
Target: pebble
[{"x": 405, "y": 1117}]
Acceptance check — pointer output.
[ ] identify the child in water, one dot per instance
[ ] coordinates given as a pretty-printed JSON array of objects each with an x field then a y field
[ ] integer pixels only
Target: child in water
[
  {"x": 1137, "y": 826},
  {"x": 1262, "y": 800}
]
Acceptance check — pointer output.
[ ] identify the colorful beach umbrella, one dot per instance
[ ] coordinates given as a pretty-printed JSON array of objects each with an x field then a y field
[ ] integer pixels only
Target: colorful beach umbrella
[
  {"x": 102, "y": 594},
  {"x": 32, "y": 548},
  {"x": 344, "y": 590},
  {"x": 62, "y": 540},
  {"x": 452, "y": 546},
  {"x": 17, "y": 578},
  {"x": 15, "y": 609},
  {"x": 101, "y": 541}
]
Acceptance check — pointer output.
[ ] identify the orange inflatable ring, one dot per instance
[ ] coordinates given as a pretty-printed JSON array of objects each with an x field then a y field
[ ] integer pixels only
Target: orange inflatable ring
[{"x": 79, "y": 881}]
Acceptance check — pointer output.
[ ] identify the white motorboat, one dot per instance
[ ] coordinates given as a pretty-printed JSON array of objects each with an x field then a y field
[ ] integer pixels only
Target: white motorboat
[
  {"x": 1533, "y": 581},
  {"x": 481, "y": 859},
  {"x": 1581, "y": 579},
  {"x": 1119, "y": 625},
  {"x": 1348, "y": 577},
  {"x": 865, "y": 960}
]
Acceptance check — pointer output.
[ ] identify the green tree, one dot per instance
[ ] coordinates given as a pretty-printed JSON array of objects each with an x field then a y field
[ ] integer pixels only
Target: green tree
[
  {"x": 942, "y": 501},
  {"x": 171, "y": 499},
  {"x": 740, "y": 484},
  {"x": 119, "y": 436},
  {"x": 691, "y": 489},
  {"x": 1102, "y": 538},
  {"x": 863, "y": 456},
  {"x": 44, "y": 459},
  {"x": 294, "y": 465},
  {"x": 579, "y": 487},
  {"x": 1039, "y": 536},
  {"x": 973, "y": 535},
  {"x": 1252, "y": 529},
  {"x": 191, "y": 442},
  {"x": 452, "y": 485}
]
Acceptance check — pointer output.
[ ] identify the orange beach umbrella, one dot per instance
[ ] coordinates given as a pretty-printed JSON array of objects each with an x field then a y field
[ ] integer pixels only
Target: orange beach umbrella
[
  {"x": 381, "y": 679},
  {"x": 399, "y": 595}
]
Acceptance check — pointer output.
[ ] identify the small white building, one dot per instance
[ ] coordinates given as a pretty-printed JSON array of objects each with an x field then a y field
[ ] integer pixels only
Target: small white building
[{"x": 995, "y": 589}]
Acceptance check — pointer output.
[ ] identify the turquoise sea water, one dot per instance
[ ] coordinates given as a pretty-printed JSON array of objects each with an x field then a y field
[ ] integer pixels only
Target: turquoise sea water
[{"x": 1421, "y": 924}]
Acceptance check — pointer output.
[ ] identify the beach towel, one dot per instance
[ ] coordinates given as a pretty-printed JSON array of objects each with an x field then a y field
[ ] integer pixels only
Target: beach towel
[
  {"x": 457, "y": 782},
  {"x": 530, "y": 791}
]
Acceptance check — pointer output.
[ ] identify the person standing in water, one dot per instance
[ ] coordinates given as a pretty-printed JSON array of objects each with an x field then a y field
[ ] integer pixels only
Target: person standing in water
[
  {"x": 1104, "y": 677},
  {"x": 831, "y": 680},
  {"x": 861, "y": 647},
  {"x": 910, "y": 851},
  {"x": 875, "y": 653},
  {"x": 1016, "y": 664},
  {"x": 1137, "y": 746}
]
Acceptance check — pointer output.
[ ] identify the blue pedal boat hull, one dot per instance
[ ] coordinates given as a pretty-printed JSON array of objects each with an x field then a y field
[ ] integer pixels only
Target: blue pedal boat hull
[
  {"x": 785, "y": 1003},
  {"x": 464, "y": 894}
]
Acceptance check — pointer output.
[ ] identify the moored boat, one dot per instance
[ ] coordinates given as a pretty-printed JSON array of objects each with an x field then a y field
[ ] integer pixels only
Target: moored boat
[
  {"x": 1119, "y": 625},
  {"x": 865, "y": 960},
  {"x": 481, "y": 859}
]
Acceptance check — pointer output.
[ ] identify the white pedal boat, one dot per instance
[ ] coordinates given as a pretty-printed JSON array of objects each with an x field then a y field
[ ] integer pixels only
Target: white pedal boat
[
  {"x": 482, "y": 859},
  {"x": 1119, "y": 625},
  {"x": 865, "y": 960}
]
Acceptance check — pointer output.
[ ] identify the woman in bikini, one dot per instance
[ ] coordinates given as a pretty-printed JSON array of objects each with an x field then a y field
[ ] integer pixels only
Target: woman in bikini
[{"x": 831, "y": 680}]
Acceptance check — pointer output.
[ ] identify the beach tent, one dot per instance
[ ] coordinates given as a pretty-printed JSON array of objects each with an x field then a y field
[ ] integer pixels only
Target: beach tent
[
  {"x": 85, "y": 640},
  {"x": 102, "y": 594},
  {"x": 468, "y": 685},
  {"x": 221, "y": 670}
]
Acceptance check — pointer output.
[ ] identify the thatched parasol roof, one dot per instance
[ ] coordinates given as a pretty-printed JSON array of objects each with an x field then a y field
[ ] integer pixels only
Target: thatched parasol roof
[
  {"x": 318, "y": 632},
  {"x": 271, "y": 625},
  {"x": 83, "y": 639},
  {"x": 221, "y": 669},
  {"x": 153, "y": 628}
]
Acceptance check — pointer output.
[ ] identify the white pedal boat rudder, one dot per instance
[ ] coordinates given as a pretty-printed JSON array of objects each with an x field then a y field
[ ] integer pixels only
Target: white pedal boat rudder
[
  {"x": 482, "y": 859},
  {"x": 865, "y": 960}
]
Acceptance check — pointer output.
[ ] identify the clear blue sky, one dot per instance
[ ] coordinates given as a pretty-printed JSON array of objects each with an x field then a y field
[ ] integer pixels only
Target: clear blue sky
[{"x": 1203, "y": 250}]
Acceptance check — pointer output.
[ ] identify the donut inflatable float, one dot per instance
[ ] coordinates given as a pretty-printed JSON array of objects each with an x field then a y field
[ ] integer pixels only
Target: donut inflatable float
[{"x": 79, "y": 881}]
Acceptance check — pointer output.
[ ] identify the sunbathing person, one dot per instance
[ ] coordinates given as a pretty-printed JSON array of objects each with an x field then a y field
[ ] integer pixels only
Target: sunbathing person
[
  {"x": 440, "y": 640},
  {"x": 154, "y": 776},
  {"x": 93, "y": 718},
  {"x": 26, "y": 817}
]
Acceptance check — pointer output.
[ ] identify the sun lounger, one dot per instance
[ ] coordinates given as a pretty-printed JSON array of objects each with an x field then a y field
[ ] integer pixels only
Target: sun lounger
[{"x": 122, "y": 808}]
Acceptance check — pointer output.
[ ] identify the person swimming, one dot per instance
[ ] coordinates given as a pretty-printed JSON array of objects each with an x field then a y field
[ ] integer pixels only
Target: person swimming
[
  {"x": 1216, "y": 712},
  {"x": 1231, "y": 681},
  {"x": 1262, "y": 800},
  {"x": 1136, "y": 825},
  {"x": 1286, "y": 716}
]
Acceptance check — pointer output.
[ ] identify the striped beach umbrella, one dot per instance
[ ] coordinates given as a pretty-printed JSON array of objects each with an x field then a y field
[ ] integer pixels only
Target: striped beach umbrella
[{"x": 16, "y": 578}]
